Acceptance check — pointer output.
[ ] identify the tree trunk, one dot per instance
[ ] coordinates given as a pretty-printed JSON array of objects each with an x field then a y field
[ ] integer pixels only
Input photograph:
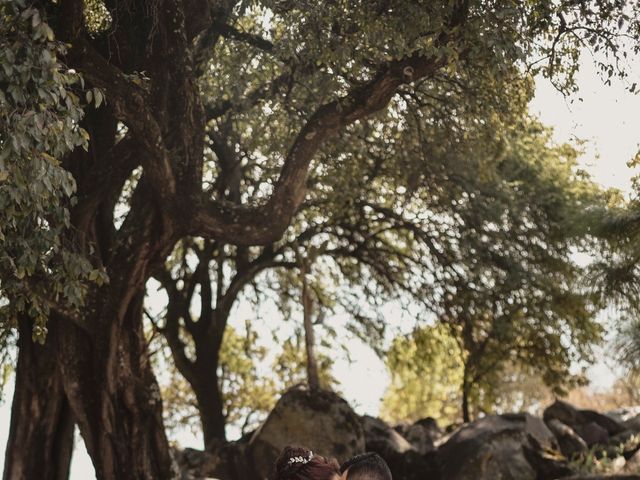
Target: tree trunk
[
  {"x": 210, "y": 408},
  {"x": 202, "y": 376},
  {"x": 205, "y": 383},
  {"x": 41, "y": 431},
  {"x": 466, "y": 390},
  {"x": 113, "y": 394},
  {"x": 307, "y": 307},
  {"x": 207, "y": 333}
]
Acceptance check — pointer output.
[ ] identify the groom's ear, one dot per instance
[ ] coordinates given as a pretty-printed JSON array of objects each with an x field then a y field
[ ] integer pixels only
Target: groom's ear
[{"x": 344, "y": 475}]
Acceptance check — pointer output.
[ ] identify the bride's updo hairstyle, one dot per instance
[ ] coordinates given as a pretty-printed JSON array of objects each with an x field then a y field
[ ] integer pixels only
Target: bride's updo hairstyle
[{"x": 298, "y": 463}]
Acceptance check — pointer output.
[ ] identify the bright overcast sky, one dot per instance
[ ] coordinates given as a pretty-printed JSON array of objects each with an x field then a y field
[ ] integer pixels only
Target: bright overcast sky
[{"x": 607, "y": 118}]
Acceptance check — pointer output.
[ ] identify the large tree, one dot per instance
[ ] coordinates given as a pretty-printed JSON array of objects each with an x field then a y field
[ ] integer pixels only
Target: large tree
[
  {"x": 295, "y": 75},
  {"x": 380, "y": 233},
  {"x": 39, "y": 116},
  {"x": 517, "y": 298},
  {"x": 521, "y": 298}
]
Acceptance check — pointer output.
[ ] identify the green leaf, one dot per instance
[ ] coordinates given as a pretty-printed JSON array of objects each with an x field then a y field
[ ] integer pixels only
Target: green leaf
[{"x": 98, "y": 96}]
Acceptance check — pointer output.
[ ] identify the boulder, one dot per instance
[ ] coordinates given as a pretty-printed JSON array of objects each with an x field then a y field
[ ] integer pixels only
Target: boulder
[
  {"x": 402, "y": 428},
  {"x": 604, "y": 477},
  {"x": 609, "y": 424},
  {"x": 380, "y": 437},
  {"x": 423, "y": 435},
  {"x": 430, "y": 425},
  {"x": 227, "y": 462},
  {"x": 506, "y": 447},
  {"x": 565, "y": 412},
  {"x": 625, "y": 444},
  {"x": 319, "y": 420},
  {"x": 404, "y": 460},
  {"x": 633, "y": 463},
  {"x": 594, "y": 428},
  {"x": 592, "y": 434},
  {"x": 632, "y": 424},
  {"x": 571, "y": 444}
]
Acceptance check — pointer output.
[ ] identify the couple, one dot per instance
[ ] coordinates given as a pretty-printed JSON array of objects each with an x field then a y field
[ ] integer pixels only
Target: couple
[{"x": 298, "y": 463}]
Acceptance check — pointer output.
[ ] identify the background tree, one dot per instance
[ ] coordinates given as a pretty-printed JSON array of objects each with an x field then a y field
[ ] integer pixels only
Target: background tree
[
  {"x": 305, "y": 264},
  {"x": 427, "y": 368},
  {"x": 251, "y": 379},
  {"x": 615, "y": 273},
  {"x": 516, "y": 298},
  {"x": 370, "y": 243},
  {"x": 309, "y": 74},
  {"x": 426, "y": 373},
  {"x": 248, "y": 393},
  {"x": 521, "y": 295}
]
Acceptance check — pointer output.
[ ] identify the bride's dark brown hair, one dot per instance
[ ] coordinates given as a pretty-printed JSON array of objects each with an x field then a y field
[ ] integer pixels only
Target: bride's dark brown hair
[{"x": 298, "y": 463}]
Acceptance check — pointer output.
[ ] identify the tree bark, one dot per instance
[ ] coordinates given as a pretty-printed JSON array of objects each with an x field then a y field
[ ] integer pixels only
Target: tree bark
[
  {"x": 202, "y": 376},
  {"x": 101, "y": 353},
  {"x": 104, "y": 362},
  {"x": 40, "y": 440},
  {"x": 102, "y": 359},
  {"x": 207, "y": 332},
  {"x": 114, "y": 395},
  {"x": 210, "y": 405}
]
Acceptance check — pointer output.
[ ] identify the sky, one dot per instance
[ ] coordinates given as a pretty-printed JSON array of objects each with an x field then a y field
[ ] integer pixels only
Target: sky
[{"x": 607, "y": 118}]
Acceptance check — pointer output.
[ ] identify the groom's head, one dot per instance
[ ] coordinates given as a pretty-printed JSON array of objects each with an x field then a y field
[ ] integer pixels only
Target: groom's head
[{"x": 368, "y": 466}]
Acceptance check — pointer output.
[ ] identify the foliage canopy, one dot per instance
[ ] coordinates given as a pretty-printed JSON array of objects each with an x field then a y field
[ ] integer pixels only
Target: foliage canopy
[{"x": 382, "y": 131}]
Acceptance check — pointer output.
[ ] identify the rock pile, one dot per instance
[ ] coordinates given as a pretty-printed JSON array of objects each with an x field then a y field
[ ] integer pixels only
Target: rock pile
[
  {"x": 321, "y": 420},
  {"x": 561, "y": 444}
]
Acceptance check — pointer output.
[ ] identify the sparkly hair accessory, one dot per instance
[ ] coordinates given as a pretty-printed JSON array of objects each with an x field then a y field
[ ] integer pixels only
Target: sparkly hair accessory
[{"x": 300, "y": 459}]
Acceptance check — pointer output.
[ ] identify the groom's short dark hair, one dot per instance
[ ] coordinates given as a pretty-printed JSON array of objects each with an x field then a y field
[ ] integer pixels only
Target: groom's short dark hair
[{"x": 368, "y": 466}]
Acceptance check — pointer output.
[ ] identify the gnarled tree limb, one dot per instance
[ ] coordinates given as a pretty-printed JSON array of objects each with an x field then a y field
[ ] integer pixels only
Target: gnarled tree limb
[
  {"x": 265, "y": 224},
  {"x": 128, "y": 102}
]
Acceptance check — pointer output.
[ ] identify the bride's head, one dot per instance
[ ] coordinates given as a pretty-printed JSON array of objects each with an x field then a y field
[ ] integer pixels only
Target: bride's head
[{"x": 298, "y": 463}]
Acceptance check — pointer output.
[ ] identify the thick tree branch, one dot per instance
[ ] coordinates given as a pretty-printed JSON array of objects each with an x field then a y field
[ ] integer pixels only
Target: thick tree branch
[
  {"x": 206, "y": 41},
  {"x": 266, "y": 224},
  {"x": 128, "y": 102},
  {"x": 171, "y": 330},
  {"x": 115, "y": 166}
]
